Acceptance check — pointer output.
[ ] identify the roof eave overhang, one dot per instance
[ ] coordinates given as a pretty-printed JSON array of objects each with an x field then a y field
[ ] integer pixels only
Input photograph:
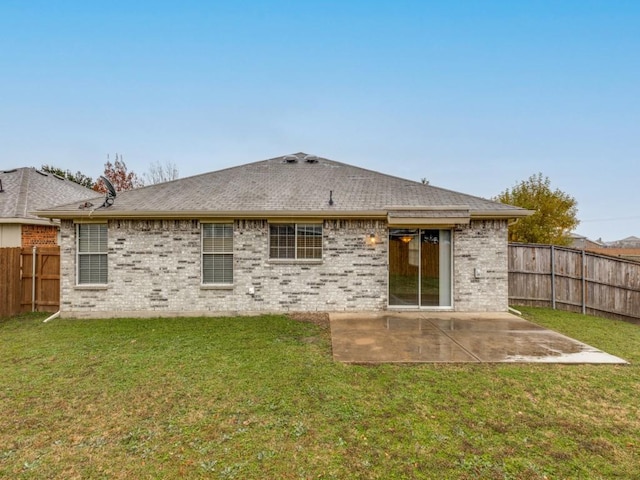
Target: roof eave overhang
[
  {"x": 500, "y": 214},
  {"x": 435, "y": 216},
  {"x": 106, "y": 214},
  {"x": 29, "y": 221},
  {"x": 210, "y": 214}
]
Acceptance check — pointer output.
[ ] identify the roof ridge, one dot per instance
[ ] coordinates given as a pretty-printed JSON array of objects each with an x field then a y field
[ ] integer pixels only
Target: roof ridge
[
  {"x": 21, "y": 202},
  {"x": 227, "y": 169}
]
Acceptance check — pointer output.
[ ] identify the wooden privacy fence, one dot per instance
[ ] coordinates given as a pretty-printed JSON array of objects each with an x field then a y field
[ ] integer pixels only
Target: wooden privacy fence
[
  {"x": 539, "y": 275},
  {"x": 29, "y": 280},
  {"x": 575, "y": 280}
]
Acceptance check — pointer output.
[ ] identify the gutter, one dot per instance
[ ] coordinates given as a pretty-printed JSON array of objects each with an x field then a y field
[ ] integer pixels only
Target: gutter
[
  {"x": 31, "y": 221},
  {"x": 511, "y": 214},
  {"x": 263, "y": 214}
]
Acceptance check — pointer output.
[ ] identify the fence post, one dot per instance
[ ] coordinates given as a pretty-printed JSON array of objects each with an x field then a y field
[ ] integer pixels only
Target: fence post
[
  {"x": 553, "y": 278},
  {"x": 584, "y": 283},
  {"x": 33, "y": 279}
]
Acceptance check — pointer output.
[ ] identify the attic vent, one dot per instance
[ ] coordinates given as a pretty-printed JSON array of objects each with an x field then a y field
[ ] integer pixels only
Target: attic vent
[
  {"x": 59, "y": 177},
  {"x": 42, "y": 173},
  {"x": 290, "y": 159},
  {"x": 311, "y": 159}
]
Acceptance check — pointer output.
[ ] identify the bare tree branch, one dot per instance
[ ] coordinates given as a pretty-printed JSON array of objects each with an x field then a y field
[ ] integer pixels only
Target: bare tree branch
[{"x": 160, "y": 173}]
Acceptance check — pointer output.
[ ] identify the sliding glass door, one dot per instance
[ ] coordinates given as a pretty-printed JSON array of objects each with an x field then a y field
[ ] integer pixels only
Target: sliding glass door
[{"x": 419, "y": 268}]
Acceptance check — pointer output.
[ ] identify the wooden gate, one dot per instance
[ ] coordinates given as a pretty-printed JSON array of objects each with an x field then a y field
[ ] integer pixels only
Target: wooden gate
[{"x": 29, "y": 280}]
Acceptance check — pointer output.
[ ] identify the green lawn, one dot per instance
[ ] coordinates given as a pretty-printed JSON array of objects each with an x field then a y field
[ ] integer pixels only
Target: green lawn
[{"x": 261, "y": 398}]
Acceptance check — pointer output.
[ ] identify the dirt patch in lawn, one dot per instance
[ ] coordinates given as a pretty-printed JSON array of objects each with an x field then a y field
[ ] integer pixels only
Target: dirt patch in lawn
[{"x": 317, "y": 318}]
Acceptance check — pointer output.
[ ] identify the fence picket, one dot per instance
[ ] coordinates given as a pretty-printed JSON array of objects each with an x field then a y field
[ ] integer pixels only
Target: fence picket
[
  {"x": 16, "y": 280},
  {"x": 575, "y": 280}
]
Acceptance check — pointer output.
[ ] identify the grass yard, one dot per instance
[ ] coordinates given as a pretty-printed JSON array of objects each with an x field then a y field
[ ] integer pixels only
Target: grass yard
[{"x": 261, "y": 398}]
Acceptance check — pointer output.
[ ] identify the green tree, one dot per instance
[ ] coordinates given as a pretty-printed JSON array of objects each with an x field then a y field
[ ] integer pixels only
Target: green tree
[
  {"x": 78, "y": 177},
  {"x": 555, "y": 214}
]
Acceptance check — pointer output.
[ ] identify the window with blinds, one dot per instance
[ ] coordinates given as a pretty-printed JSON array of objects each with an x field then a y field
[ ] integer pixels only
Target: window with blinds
[
  {"x": 295, "y": 241},
  {"x": 92, "y": 254},
  {"x": 217, "y": 253}
]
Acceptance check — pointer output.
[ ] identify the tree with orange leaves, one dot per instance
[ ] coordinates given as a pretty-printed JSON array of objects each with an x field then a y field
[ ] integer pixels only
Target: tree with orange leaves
[{"x": 119, "y": 176}]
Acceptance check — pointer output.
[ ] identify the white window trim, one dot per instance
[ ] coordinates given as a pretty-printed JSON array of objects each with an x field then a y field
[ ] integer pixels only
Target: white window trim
[
  {"x": 89, "y": 286},
  {"x": 216, "y": 285}
]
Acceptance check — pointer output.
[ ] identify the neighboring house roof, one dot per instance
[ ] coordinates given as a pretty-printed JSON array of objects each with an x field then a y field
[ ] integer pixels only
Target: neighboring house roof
[
  {"x": 27, "y": 189},
  {"x": 629, "y": 242},
  {"x": 582, "y": 242},
  {"x": 628, "y": 253},
  {"x": 291, "y": 185}
]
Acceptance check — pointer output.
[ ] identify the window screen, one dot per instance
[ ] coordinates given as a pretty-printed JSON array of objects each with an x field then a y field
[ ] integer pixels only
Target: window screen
[
  {"x": 92, "y": 253},
  {"x": 217, "y": 253}
]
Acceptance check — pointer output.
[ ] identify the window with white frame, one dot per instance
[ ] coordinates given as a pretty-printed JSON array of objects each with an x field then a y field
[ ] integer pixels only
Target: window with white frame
[
  {"x": 298, "y": 241},
  {"x": 217, "y": 253},
  {"x": 92, "y": 254}
]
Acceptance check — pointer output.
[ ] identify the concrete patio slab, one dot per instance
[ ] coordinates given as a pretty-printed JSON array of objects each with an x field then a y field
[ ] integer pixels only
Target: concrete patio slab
[{"x": 420, "y": 337}]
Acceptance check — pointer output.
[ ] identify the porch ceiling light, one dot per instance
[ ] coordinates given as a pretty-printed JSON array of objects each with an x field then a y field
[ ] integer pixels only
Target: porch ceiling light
[{"x": 406, "y": 238}]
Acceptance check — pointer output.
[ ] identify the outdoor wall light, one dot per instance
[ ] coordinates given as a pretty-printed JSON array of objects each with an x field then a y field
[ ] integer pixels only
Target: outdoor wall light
[{"x": 372, "y": 239}]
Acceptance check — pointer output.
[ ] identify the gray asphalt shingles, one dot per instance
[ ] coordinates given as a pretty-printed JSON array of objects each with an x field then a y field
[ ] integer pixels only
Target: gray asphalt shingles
[
  {"x": 277, "y": 185},
  {"x": 27, "y": 189}
]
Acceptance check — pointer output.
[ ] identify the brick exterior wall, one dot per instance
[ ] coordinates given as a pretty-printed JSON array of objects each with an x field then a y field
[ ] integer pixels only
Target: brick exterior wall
[
  {"x": 39, "y": 235},
  {"x": 480, "y": 266},
  {"x": 154, "y": 270}
]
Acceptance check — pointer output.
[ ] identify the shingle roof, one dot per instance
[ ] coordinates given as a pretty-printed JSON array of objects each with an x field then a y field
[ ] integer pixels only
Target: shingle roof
[
  {"x": 27, "y": 189},
  {"x": 291, "y": 184}
]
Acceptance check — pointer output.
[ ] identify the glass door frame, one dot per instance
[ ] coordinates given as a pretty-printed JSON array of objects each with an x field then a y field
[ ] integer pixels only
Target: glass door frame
[{"x": 418, "y": 233}]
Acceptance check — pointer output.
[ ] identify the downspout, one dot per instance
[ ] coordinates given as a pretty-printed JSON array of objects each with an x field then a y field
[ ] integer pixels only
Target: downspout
[
  {"x": 512, "y": 221},
  {"x": 52, "y": 317}
]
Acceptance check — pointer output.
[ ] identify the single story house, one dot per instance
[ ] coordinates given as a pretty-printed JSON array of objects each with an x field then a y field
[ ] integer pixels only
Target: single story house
[
  {"x": 292, "y": 233},
  {"x": 23, "y": 190}
]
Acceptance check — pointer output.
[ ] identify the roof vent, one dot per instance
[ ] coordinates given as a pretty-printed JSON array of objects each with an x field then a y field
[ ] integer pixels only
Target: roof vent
[
  {"x": 42, "y": 173},
  {"x": 290, "y": 159},
  {"x": 311, "y": 158}
]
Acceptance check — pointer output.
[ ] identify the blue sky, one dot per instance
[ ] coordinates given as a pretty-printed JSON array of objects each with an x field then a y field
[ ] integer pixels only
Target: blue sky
[{"x": 473, "y": 95}]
